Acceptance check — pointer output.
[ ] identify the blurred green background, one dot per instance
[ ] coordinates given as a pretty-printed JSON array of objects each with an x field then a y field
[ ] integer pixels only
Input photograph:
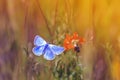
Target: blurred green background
[{"x": 97, "y": 21}]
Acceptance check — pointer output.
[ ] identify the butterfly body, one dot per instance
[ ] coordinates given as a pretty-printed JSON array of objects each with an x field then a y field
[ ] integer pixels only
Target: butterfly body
[
  {"x": 45, "y": 48},
  {"x": 49, "y": 51}
]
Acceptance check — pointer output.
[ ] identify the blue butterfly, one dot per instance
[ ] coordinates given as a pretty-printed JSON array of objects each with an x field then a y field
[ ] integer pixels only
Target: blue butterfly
[{"x": 49, "y": 51}]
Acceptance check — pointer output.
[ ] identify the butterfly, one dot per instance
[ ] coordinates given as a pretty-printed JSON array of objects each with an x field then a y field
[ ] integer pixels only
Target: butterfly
[{"x": 49, "y": 51}]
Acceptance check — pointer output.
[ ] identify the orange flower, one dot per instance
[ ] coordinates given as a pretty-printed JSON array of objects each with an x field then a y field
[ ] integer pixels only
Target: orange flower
[
  {"x": 67, "y": 42},
  {"x": 75, "y": 36},
  {"x": 81, "y": 40},
  {"x": 70, "y": 42}
]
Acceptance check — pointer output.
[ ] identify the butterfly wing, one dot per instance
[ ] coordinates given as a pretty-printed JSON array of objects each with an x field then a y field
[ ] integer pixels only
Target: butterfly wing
[
  {"x": 38, "y": 41},
  {"x": 38, "y": 50},
  {"x": 49, "y": 55},
  {"x": 56, "y": 49}
]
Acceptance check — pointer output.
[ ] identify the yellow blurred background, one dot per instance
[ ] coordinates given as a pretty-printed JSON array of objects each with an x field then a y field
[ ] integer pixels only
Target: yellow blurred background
[{"x": 99, "y": 20}]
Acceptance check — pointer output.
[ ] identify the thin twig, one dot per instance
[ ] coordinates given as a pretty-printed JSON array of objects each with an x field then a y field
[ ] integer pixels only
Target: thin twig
[
  {"x": 25, "y": 18},
  {"x": 51, "y": 34},
  {"x": 56, "y": 10}
]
